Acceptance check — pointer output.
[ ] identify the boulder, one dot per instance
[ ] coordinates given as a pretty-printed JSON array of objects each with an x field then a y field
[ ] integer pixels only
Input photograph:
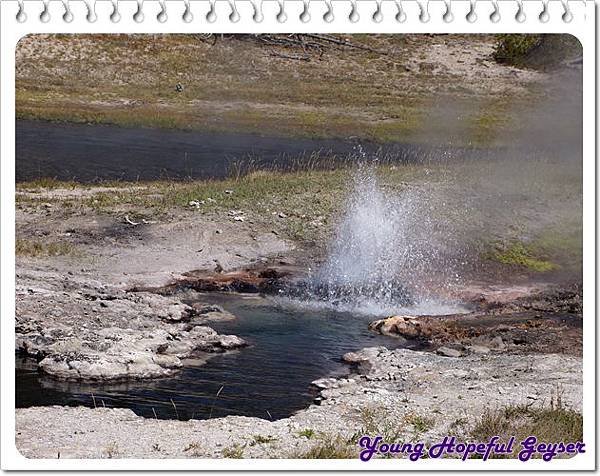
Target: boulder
[{"x": 410, "y": 327}]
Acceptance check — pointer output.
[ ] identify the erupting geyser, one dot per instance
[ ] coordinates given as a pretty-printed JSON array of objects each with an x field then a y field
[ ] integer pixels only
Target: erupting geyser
[
  {"x": 369, "y": 248},
  {"x": 382, "y": 249}
]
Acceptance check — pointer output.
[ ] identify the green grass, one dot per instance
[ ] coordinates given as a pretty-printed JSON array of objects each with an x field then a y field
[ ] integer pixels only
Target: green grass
[
  {"x": 307, "y": 433},
  {"x": 304, "y": 206},
  {"x": 563, "y": 244},
  {"x": 517, "y": 253},
  {"x": 489, "y": 123},
  {"x": 308, "y": 199},
  {"x": 420, "y": 423}
]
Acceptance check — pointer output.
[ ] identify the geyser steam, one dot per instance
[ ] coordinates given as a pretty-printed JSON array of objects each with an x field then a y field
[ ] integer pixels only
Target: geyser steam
[
  {"x": 368, "y": 249},
  {"x": 380, "y": 254}
]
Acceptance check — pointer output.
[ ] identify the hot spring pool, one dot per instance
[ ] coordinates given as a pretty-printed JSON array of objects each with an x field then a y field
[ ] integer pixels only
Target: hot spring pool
[{"x": 289, "y": 347}]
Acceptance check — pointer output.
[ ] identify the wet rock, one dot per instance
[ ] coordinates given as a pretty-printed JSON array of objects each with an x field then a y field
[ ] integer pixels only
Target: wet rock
[
  {"x": 210, "y": 312},
  {"x": 231, "y": 342},
  {"x": 367, "y": 361},
  {"x": 324, "y": 383},
  {"x": 421, "y": 327},
  {"x": 251, "y": 280},
  {"x": 405, "y": 326},
  {"x": 355, "y": 358},
  {"x": 138, "y": 335},
  {"x": 501, "y": 329}
]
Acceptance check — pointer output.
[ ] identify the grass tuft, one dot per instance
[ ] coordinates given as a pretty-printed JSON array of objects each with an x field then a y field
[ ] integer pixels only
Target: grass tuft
[
  {"x": 517, "y": 253},
  {"x": 36, "y": 248},
  {"x": 329, "y": 447},
  {"x": 307, "y": 433},
  {"x": 514, "y": 48},
  {"x": 262, "y": 439},
  {"x": 235, "y": 451}
]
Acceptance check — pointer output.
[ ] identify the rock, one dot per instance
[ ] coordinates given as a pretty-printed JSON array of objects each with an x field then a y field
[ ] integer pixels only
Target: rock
[
  {"x": 497, "y": 343},
  {"x": 211, "y": 312},
  {"x": 355, "y": 358},
  {"x": 405, "y": 326},
  {"x": 282, "y": 215},
  {"x": 73, "y": 366},
  {"x": 520, "y": 340},
  {"x": 364, "y": 359},
  {"x": 479, "y": 349},
  {"x": 231, "y": 342},
  {"x": 448, "y": 352},
  {"x": 324, "y": 383},
  {"x": 459, "y": 373},
  {"x": 422, "y": 327},
  {"x": 135, "y": 335}
]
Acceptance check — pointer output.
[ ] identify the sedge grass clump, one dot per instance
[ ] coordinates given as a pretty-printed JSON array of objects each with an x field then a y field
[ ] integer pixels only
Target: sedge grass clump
[
  {"x": 329, "y": 447},
  {"x": 550, "y": 424}
]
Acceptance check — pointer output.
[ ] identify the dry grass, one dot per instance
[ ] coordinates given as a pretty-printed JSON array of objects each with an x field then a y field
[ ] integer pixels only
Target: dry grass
[
  {"x": 381, "y": 95},
  {"x": 549, "y": 424},
  {"x": 38, "y": 248},
  {"x": 235, "y": 451},
  {"x": 329, "y": 447}
]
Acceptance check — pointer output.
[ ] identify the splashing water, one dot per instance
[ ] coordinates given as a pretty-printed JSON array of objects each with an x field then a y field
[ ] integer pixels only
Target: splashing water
[{"x": 380, "y": 254}]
